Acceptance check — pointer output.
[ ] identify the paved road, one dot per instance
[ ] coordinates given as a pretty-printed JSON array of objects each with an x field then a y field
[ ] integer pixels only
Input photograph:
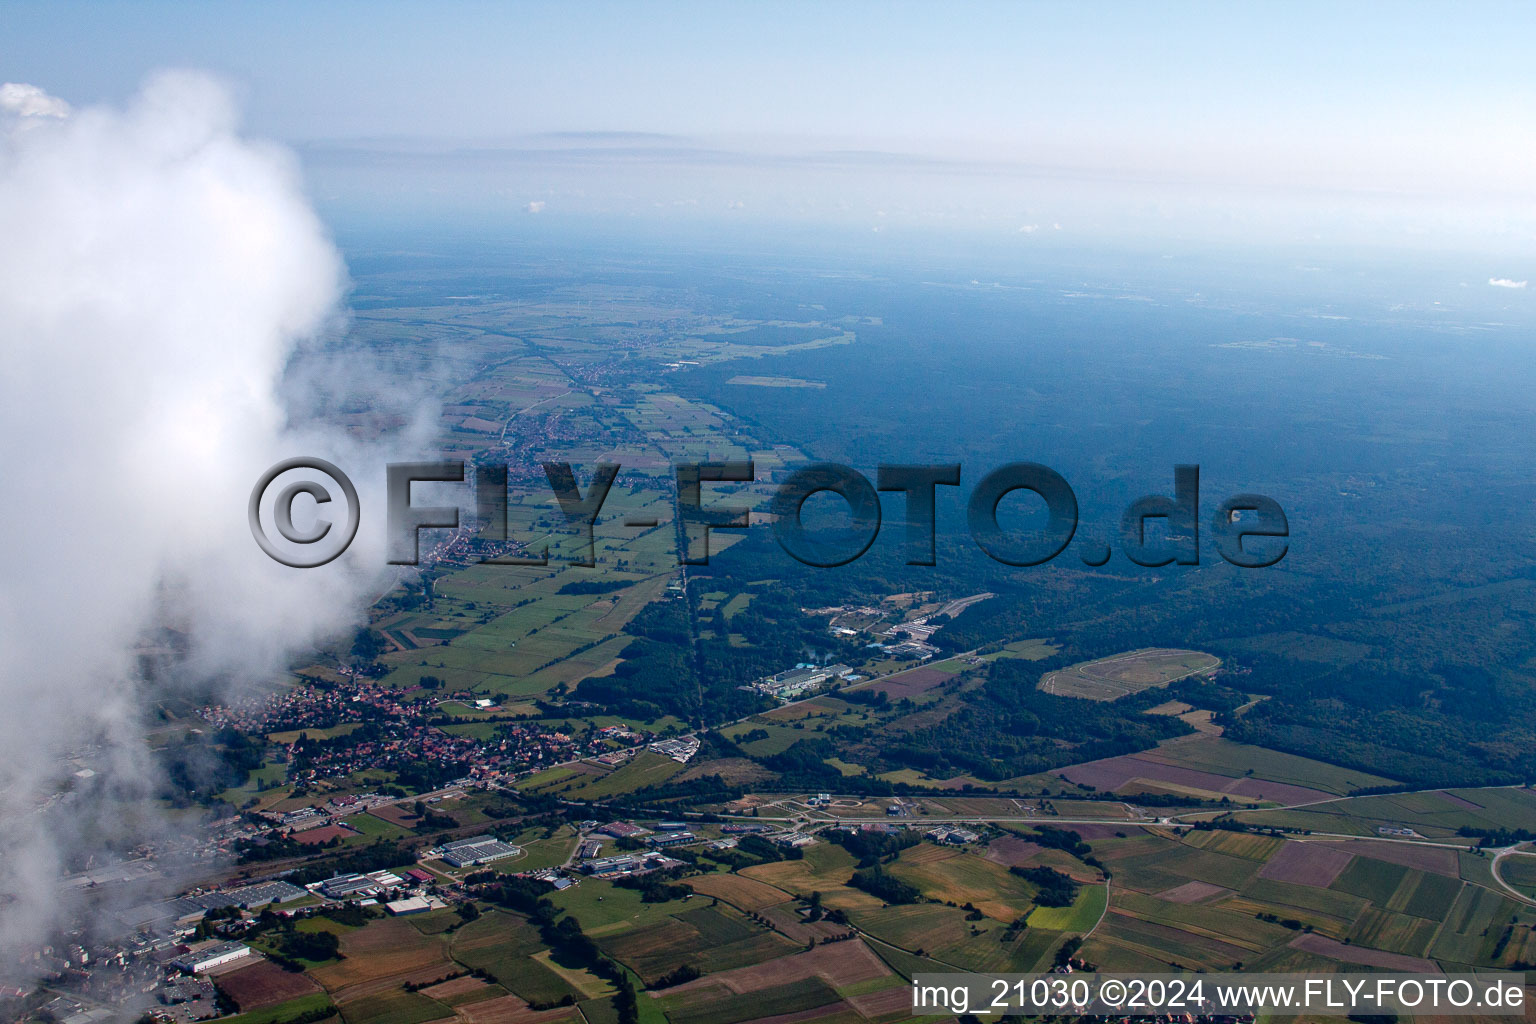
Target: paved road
[{"x": 1511, "y": 890}]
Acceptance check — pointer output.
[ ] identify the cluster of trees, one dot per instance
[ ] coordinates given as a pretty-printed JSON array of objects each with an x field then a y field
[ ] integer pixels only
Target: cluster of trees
[
  {"x": 681, "y": 976},
  {"x": 430, "y": 820},
  {"x": 871, "y": 848},
  {"x": 773, "y": 634},
  {"x": 598, "y": 586},
  {"x": 1496, "y": 836},
  {"x": 1053, "y": 838},
  {"x": 1008, "y": 728},
  {"x": 885, "y": 886},
  {"x": 766, "y": 850},
  {"x": 1055, "y": 889},
  {"x": 312, "y": 946},
  {"x": 195, "y": 769},
  {"x": 654, "y": 887},
  {"x": 657, "y": 675}
]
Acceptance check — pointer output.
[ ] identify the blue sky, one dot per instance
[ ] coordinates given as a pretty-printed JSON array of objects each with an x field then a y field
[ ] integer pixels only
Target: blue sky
[{"x": 1368, "y": 101}]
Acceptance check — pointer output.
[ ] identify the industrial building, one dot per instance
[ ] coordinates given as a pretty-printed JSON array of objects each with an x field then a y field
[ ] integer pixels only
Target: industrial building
[
  {"x": 605, "y": 865},
  {"x": 477, "y": 850},
  {"x": 209, "y": 957},
  {"x": 343, "y": 886},
  {"x": 263, "y": 893},
  {"x": 406, "y": 907}
]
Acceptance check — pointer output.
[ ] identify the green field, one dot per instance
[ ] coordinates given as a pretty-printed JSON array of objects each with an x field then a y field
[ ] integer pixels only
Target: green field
[
  {"x": 1120, "y": 675},
  {"x": 280, "y": 1012},
  {"x": 393, "y": 1008},
  {"x": 1236, "y": 760},
  {"x": 503, "y": 945},
  {"x": 954, "y": 876},
  {"x": 1078, "y": 918},
  {"x": 1192, "y": 901},
  {"x": 710, "y": 1007},
  {"x": 644, "y": 769},
  {"x": 1520, "y": 872},
  {"x": 1028, "y": 650},
  {"x": 708, "y": 938},
  {"x": 1430, "y": 814},
  {"x": 1369, "y": 879}
]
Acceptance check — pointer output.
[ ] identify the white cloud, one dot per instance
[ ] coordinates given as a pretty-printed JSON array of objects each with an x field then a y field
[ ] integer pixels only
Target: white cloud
[
  {"x": 158, "y": 275},
  {"x": 1504, "y": 282},
  {"x": 1028, "y": 229},
  {"x": 29, "y": 101},
  {"x": 537, "y": 206}
]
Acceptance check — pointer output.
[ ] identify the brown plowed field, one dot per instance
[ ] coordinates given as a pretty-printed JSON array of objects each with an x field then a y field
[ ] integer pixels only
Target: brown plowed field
[
  {"x": 1438, "y": 859},
  {"x": 1314, "y": 864}
]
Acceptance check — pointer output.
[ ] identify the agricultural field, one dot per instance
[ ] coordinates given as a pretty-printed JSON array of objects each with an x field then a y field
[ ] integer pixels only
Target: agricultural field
[
  {"x": 526, "y": 636},
  {"x": 824, "y": 869},
  {"x": 1079, "y": 918},
  {"x": 1027, "y": 650},
  {"x": 826, "y": 979},
  {"x": 1435, "y": 814},
  {"x": 1519, "y": 871},
  {"x": 645, "y": 769},
  {"x": 951, "y": 875},
  {"x": 1189, "y": 899},
  {"x": 1213, "y": 768},
  {"x": 739, "y": 891},
  {"x": 384, "y": 954},
  {"x": 709, "y": 938},
  {"x": 1122, "y": 674},
  {"x": 1242, "y": 760},
  {"x": 292, "y": 1009},
  {"x": 264, "y": 984}
]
